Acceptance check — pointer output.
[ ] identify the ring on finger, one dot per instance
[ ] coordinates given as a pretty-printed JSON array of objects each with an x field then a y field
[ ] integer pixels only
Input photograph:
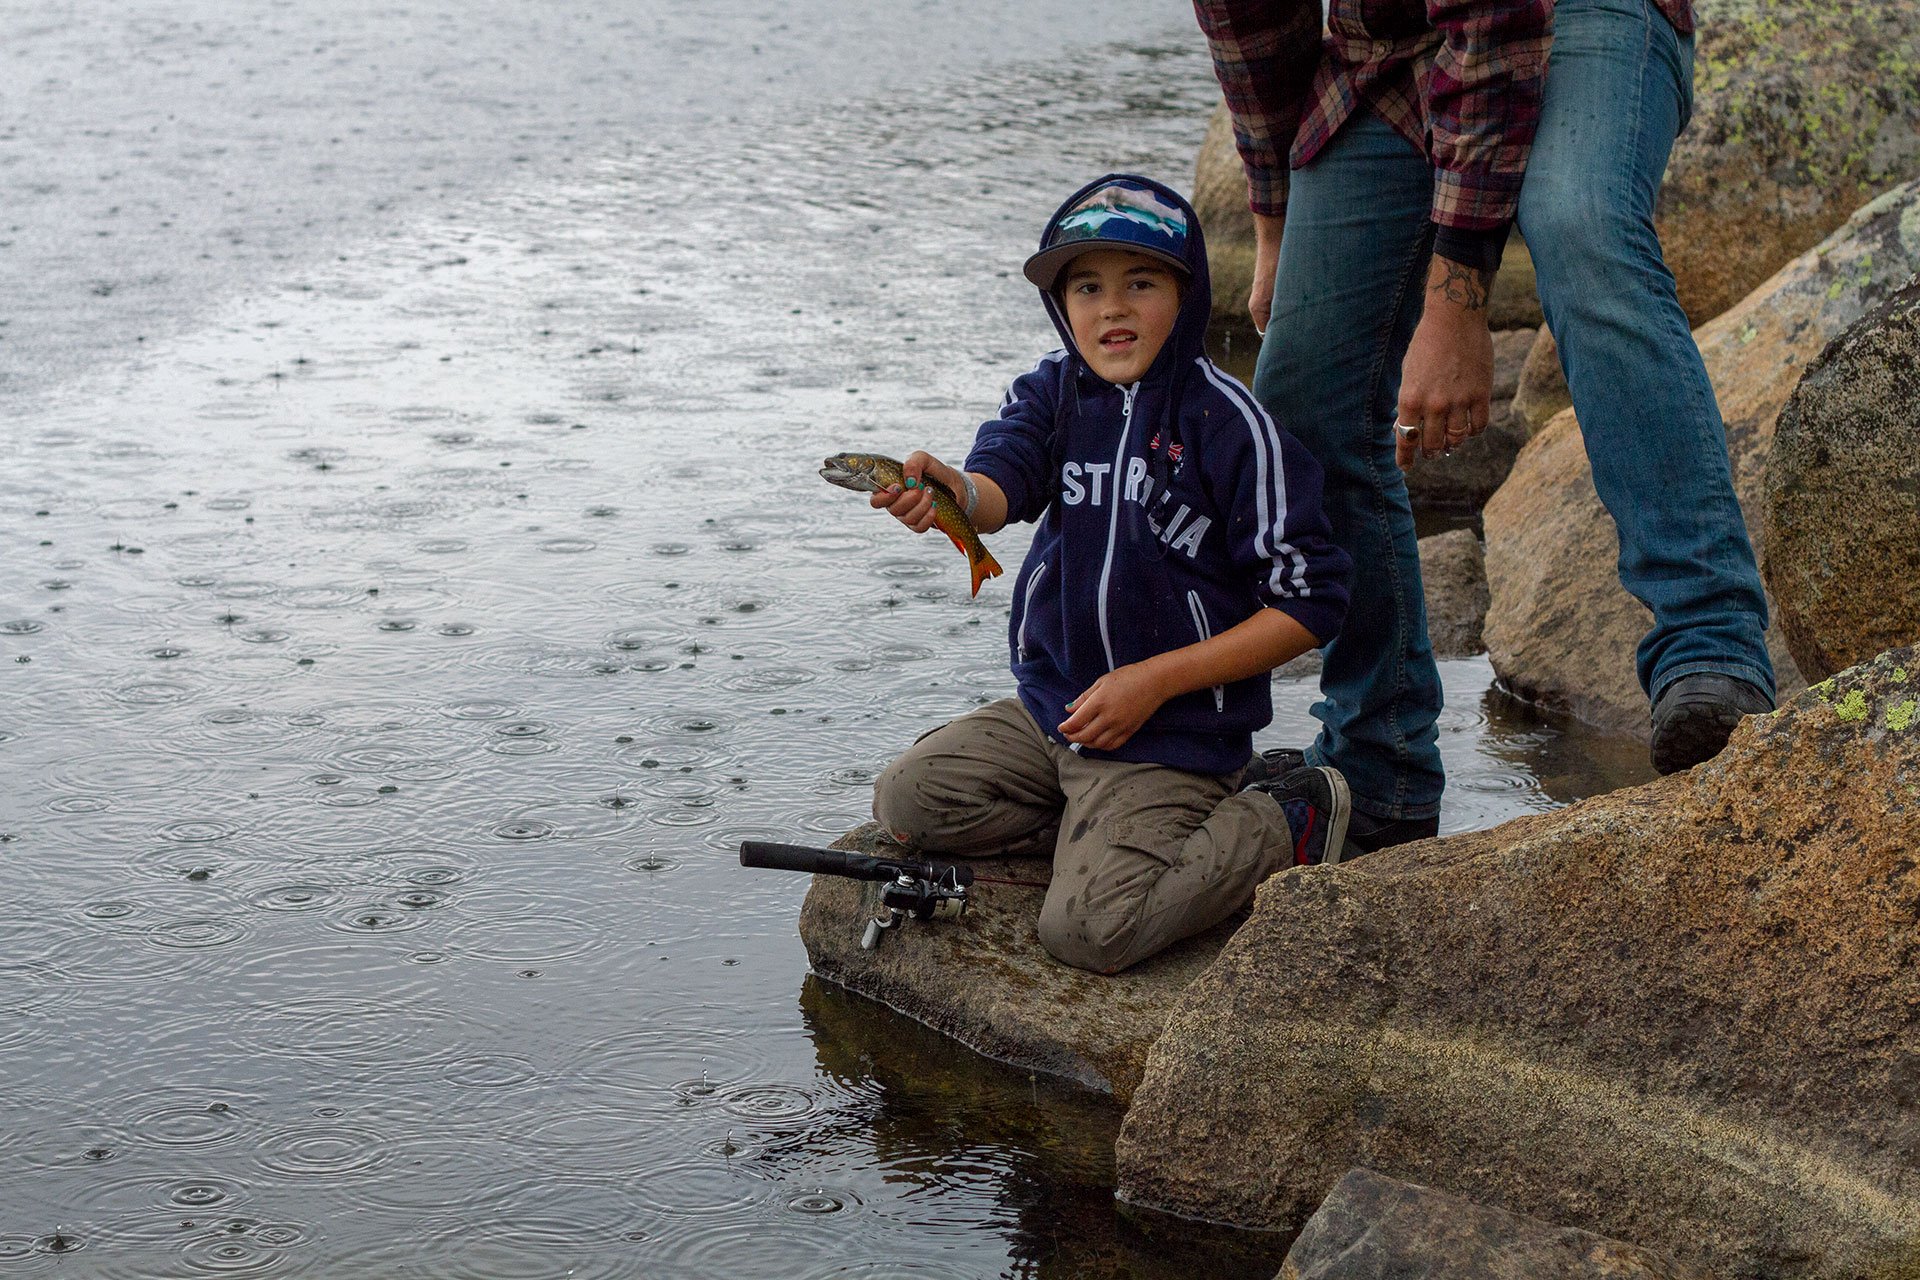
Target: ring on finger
[{"x": 1407, "y": 430}]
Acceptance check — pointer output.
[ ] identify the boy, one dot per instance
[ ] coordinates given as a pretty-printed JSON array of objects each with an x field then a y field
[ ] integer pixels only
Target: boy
[{"x": 1181, "y": 556}]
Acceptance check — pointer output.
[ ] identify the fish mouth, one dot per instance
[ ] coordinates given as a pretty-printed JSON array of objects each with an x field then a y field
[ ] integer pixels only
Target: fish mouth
[{"x": 836, "y": 471}]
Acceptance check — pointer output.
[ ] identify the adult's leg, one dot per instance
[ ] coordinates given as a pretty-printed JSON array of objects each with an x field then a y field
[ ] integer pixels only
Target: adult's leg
[
  {"x": 1346, "y": 300},
  {"x": 983, "y": 784},
  {"x": 1149, "y": 855},
  {"x": 1619, "y": 89}
]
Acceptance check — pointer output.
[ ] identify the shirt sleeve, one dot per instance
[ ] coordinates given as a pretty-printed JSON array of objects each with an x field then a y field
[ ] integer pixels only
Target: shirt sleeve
[
  {"x": 1264, "y": 55},
  {"x": 1277, "y": 531},
  {"x": 1483, "y": 108},
  {"x": 1015, "y": 449}
]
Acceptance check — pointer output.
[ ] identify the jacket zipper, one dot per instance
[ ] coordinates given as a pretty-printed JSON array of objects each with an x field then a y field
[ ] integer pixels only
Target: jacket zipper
[
  {"x": 1026, "y": 609},
  {"x": 1206, "y": 633},
  {"x": 1116, "y": 478}
]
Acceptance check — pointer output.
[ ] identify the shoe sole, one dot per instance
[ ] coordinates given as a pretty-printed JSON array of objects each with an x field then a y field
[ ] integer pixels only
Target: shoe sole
[
  {"x": 1337, "y": 816},
  {"x": 1693, "y": 734}
]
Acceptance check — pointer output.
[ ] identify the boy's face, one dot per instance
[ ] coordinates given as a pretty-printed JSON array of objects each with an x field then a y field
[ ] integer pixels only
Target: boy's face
[{"x": 1121, "y": 308}]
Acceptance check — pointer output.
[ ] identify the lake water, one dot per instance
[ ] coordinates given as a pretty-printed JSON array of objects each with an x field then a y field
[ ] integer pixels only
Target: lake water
[{"x": 417, "y": 584}]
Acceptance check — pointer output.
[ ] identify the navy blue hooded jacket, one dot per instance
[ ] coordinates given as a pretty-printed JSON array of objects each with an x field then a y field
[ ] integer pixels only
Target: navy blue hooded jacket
[{"x": 1170, "y": 511}]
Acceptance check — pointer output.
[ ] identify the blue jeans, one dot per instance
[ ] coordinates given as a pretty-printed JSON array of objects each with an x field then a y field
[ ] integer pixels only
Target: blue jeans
[{"x": 1347, "y": 296}]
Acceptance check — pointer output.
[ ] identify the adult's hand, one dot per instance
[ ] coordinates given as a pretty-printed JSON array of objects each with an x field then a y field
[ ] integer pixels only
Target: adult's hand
[
  {"x": 1266, "y": 260},
  {"x": 1446, "y": 380}
]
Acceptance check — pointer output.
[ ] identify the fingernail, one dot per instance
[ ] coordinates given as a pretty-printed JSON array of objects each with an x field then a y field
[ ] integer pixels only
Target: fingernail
[{"x": 912, "y": 483}]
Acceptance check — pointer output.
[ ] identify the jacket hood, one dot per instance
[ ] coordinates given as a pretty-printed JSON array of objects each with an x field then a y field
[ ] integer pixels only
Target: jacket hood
[{"x": 1189, "y": 338}]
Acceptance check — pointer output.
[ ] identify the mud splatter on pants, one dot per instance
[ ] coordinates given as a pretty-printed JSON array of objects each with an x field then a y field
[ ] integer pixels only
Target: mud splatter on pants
[{"x": 1143, "y": 855}]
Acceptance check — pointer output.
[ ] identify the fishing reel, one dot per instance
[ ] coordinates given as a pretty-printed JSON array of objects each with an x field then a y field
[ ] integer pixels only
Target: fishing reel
[{"x": 909, "y": 890}]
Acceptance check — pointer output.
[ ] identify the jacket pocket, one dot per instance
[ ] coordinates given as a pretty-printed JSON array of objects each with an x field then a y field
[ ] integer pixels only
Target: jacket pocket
[
  {"x": 1026, "y": 610},
  {"x": 1206, "y": 633}
]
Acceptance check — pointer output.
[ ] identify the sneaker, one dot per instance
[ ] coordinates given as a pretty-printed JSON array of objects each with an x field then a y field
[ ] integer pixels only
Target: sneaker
[
  {"x": 1274, "y": 762},
  {"x": 1317, "y": 805},
  {"x": 1696, "y": 714},
  {"x": 1365, "y": 833}
]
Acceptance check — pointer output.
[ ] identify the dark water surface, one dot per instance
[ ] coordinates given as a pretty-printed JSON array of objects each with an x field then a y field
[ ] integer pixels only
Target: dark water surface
[{"x": 399, "y": 640}]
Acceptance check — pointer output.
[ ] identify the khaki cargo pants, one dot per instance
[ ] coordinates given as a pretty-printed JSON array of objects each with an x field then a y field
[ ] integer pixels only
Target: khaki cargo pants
[{"x": 1143, "y": 854}]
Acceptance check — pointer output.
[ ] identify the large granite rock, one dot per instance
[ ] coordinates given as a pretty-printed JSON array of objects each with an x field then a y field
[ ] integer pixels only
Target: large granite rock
[
  {"x": 1453, "y": 571},
  {"x": 1373, "y": 1227},
  {"x": 986, "y": 981},
  {"x": 1685, "y": 1014},
  {"x": 1561, "y": 631},
  {"x": 1464, "y": 479},
  {"x": 1803, "y": 111},
  {"x": 1843, "y": 495}
]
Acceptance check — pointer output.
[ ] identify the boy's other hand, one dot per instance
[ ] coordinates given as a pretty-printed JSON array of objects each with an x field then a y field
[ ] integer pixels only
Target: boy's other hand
[
  {"x": 1113, "y": 708},
  {"x": 1446, "y": 381},
  {"x": 910, "y": 502}
]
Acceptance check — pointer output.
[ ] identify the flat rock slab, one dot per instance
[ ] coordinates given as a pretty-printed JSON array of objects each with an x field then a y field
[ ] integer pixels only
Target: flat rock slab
[
  {"x": 1685, "y": 1014},
  {"x": 1373, "y": 1227},
  {"x": 986, "y": 981}
]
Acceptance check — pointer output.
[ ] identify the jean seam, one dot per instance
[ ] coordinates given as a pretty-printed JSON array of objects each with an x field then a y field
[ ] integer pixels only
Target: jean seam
[{"x": 1416, "y": 254}]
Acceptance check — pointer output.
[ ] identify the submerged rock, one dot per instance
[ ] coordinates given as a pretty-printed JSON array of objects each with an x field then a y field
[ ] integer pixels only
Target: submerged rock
[
  {"x": 1373, "y": 1227},
  {"x": 1685, "y": 1014},
  {"x": 1843, "y": 495},
  {"x": 985, "y": 980},
  {"x": 1561, "y": 631}
]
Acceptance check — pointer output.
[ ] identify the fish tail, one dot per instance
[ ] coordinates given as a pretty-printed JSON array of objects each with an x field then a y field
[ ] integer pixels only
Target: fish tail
[
  {"x": 983, "y": 564},
  {"x": 960, "y": 531}
]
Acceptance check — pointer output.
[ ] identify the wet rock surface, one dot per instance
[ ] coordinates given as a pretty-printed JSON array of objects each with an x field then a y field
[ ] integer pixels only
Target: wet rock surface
[
  {"x": 1561, "y": 630},
  {"x": 1683, "y": 1014},
  {"x": 1803, "y": 111},
  {"x": 1371, "y": 1227},
  {"x": 1842, "y": 513},
  {"x": 986, "y": 981}
]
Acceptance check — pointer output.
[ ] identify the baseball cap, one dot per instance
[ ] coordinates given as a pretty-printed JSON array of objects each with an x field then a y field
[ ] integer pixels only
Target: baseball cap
[{"x": 1119, "y": 215}]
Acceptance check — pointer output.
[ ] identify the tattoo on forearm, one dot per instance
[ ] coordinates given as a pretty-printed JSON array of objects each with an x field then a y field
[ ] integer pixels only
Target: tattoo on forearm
[{"x": 1462, "y": 285}]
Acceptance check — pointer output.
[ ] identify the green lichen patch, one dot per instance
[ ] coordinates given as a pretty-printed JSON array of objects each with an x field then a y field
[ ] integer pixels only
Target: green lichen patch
[
  {"x": 1899, "y": 675},
  {"x": 1852, "y": 707},
  {"x": 1900, "y": 716}
]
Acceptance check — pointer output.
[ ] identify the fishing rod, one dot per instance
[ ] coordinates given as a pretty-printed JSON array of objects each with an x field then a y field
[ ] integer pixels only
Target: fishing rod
[{"x": 920, "y": 889}]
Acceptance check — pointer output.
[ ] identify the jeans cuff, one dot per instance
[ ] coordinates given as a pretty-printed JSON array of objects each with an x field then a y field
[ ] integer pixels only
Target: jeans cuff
[
  {"x": 1758, "y": 677},
  {"x": 1385, "y": 812}
]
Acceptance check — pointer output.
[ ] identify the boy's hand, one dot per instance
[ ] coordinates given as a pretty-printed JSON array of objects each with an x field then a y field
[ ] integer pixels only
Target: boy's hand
[
  {"x": 911, "y": 503},
  {"x": 1113, "y": 708}
]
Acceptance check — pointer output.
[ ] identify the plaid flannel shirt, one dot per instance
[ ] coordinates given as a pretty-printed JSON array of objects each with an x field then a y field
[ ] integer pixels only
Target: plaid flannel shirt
[{"x": 1460, "y": 79}]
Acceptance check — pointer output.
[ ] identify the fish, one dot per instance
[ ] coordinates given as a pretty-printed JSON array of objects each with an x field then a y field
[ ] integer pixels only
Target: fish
[{"x": 872, "y": 473}]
